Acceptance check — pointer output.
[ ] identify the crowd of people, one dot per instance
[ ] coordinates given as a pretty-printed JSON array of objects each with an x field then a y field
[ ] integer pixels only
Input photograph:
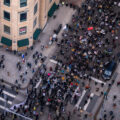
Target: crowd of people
[
  {"x": 2, "y": 59},
  {"x": 90, "y": 40}
]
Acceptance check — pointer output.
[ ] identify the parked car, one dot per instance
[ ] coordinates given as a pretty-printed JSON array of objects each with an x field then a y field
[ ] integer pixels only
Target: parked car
[{"x": 109, "y": 69}]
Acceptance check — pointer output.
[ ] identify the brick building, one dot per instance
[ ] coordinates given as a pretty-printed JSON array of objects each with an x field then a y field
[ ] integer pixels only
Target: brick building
[{"x": 21, "y": 21}]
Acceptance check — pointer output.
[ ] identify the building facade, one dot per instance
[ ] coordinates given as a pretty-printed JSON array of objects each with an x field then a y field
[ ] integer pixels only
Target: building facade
[{"x": 22, "y": 20}]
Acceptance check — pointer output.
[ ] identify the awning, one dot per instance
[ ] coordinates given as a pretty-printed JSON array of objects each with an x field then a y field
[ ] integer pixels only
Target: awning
[
  {"x": 6, "y": 41},
  {"x": 36, "y": 34},
  {"x": 52, "y": 10},
  {"x": 22, "y": 43}
]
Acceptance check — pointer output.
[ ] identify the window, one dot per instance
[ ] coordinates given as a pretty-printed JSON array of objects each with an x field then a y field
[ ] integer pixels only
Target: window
[
  {"x": 6, "y": 29},
  {"x": 35, "y": 22},
  {"x": 23, "y": 17},
  {"x": 6, "y": 15},
  {"x": 7, "y": 2},
  {"x": 23, "y": 3},
  {"x": 23, "y": 30},
  {"x": 35, "y": 9}
]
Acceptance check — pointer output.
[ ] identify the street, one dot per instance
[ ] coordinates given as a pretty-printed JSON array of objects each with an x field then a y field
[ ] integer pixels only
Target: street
[{"x": 70, "y": 75}]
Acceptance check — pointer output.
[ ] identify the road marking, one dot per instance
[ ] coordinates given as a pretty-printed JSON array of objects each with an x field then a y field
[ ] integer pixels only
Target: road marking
[
  {"x": 7, "y": 93},
  {"x": 2, "y": 107},
  {"x": 83, "y": 93},
  {"x": 85, "y": 107},
  {"x": 53, "y": 61},
  {"x": 75, "y": 93},
  {"x": 2, "y": 99},
  {"x": 7, "y": 109},
  {"x": 97, "y": 80},
  {"x": 37, "y": 85}
]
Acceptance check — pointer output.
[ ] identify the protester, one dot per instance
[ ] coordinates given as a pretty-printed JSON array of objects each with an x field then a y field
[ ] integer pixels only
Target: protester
[{"x": 83, "y": 51}]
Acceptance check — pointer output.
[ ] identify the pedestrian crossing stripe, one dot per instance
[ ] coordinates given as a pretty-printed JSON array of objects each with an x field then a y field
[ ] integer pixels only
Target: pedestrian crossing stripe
[
  {"x": 37, "y": 85},
  {"x": 53, "y": 61},
  {"x": 2, "y": 99},
  {"x": 5, "y": 108},
  {"x": 2, "y": 107},
  {"x": 83, "y": 93},
  {"x": 75, "y": 93},
  {"x": 85, "y": 107},
  {"x": 7, "y": 93},
  {"x": 97, "y": 80}
]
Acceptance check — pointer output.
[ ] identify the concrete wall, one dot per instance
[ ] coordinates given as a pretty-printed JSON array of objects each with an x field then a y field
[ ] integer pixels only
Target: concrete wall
[{"x": 15, "y": 24}]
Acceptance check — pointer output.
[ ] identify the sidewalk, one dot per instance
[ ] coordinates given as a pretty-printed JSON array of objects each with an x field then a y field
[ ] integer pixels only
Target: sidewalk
[
  {"x": 11, "y": 60},
  {"x": 108, "y": 104}
]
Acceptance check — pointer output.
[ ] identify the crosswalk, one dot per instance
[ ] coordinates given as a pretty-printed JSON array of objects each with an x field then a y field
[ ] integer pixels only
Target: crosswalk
[
  {"x": 7, "y": 97},
  {"x": 54, "y": 61},
  {"x": 9, "y": 94},
  {"x": 37, "y": 85},
  {"x": 86, "y": 101},
  {"x": 85, "y": 107},
  {"x": 79, "y": 101},
  {"x": 97, "y": 80},
  {"x": 75, "y": 93},
  {"x": 2, "y": 99}
]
